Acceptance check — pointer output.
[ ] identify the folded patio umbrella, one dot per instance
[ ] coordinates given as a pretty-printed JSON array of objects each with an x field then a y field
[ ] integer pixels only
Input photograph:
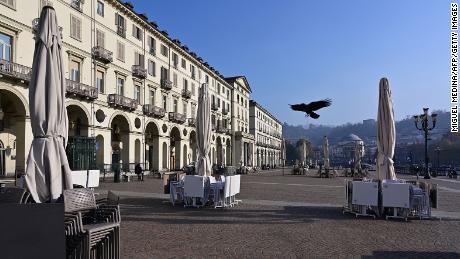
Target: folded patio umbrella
[
  {"x": 386, "y": 133},
  {"x": 48, "y": 172},
  {"x": 326, "y": 153},
  {"x": 203, "y": 128}
]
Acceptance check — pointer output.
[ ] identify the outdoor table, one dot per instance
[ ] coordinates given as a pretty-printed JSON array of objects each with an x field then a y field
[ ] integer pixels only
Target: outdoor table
[{"x": 177, "y": 188}]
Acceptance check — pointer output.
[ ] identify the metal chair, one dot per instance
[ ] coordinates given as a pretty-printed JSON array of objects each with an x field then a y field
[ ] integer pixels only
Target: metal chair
[
  {"x": 92, "y": 230},
  {"x": 13, "y": 195}
]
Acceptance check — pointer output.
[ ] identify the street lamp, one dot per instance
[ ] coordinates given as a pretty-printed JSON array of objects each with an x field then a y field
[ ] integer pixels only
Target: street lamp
[{"x": 423, "y": 119}]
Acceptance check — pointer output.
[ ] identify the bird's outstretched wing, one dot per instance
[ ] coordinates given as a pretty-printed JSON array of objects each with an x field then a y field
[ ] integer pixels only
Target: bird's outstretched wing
[
  {"x": 311, "y": 107},
  {"x": 302, "y": 107}
]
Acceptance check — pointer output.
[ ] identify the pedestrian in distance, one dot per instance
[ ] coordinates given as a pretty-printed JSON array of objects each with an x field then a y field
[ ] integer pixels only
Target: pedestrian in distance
[{"x": 140, "y": 173}]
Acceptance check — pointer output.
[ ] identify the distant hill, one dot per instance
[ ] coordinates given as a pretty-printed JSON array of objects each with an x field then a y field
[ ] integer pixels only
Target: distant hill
[{"x": 405, "y": 131}]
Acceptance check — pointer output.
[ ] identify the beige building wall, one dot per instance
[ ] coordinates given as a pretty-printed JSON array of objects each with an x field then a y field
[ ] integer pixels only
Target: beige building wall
[
  {"x": 267, "y": 131},
  {"x": 99, "y": 118}
]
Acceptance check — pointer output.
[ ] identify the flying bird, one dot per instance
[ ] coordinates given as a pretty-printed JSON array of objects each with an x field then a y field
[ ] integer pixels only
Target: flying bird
[{"x": 310, "y": 108}]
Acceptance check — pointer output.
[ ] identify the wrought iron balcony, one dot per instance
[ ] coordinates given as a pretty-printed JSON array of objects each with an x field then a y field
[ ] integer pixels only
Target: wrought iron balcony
[
  {"x": 102, "y": 54},
  {"x": 186, "y": 93},
  {"x": 242, "y": 134},
  {"x": 15, "y": 71},
  {"x": 139, "y": 71},
  {"x": 77, "y": 5},
  {"x": 214, "y": 107},
  {"x": 222, "y": 129},
  {"x": 166, "y": 84},
  {"x": 122, "y": 102},
  {"x": 192, "y": 122},
  {"x": 121, "y": 30},
  {"x": 79, "y": 90},
  {"x": 177, "y": 117},
  {"x": 154, "y": 111}
]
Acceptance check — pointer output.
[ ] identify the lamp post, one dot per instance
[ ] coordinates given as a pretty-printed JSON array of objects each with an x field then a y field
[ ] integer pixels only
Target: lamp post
[
  {"x": 423, "y": 119},
  {"x": 438, "y": 150}
]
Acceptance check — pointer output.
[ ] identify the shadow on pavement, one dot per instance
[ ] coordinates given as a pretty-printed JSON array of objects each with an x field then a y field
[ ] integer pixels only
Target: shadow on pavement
[
  {"x": 411, "y": 254},
  {"x": 160, "y": 211}
]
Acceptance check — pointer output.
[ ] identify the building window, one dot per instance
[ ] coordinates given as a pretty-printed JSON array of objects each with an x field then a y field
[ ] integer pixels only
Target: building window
[
  {"x": 185, "y": 84},
  {"x": 164, "y": 50},
  {"x": 175, "y": 60},
  {"x": 193, "y": 111},
  {"x": 121, "y": 51},
  {"x": 100, "y": 81},
  {"x": 184, "y": 64},
  {"x": 137, "y": 93},
  {"x": 100, "y": 38},
  {"x": 165, "y": 102},
  {"x": 218, "y": 88},
  {"x": 137, "y": 32},
  {"x": 175, "y": 79},
  {"x": 100, "y": 8},
  {"x": 193, "y": 89},
  {"x": 74, "y": 71},
  {"x": 152, "y": 46},
  {"x": 5, "y": 47},
  {"x": 185, "y": 109},
  {"x": 206, "y": 79},
  {"x": 164, "y": 73},
  {"x": 120, "y": 86},
  {"x": 175, "y": 105},
  {"x": 121, "y": 25},
  {"x": 75, "y": 27},
  {"x": 152, "y": 96},
  {"x": 138, "y": 59},
  {"x": 192, "y": 71},
  {"x": 151, "y": 68},
  {"x": 9, "y": 3}
]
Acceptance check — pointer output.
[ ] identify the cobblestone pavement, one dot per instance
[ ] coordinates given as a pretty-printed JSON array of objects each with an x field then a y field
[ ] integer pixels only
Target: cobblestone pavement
[{"x": 283, "y": 216}]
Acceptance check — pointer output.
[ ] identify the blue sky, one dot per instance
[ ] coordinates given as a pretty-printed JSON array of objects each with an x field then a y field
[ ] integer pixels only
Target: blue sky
[{"x": 295, "y": 51}]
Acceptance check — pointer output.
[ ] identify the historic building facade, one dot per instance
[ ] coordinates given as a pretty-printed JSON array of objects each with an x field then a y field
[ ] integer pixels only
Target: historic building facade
[
  {"x": 129, "y": 85},
  {"x": 243, "y": 140},
  {"x": 267, "y": 131}
]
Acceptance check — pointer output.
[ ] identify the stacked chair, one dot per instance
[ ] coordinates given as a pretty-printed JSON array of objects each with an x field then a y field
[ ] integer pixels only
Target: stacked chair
[
  {"x": 14, "y": 195},
  {"x": 92, "y": 228}
]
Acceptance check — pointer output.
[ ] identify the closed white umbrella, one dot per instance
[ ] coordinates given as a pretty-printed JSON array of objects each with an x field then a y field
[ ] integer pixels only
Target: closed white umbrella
[
  {"x": 203, "y": 128},
  {"x": 386, "y": 133},
  {"x": 48, "y": 172},
  {"x": 326, "y": 153}
]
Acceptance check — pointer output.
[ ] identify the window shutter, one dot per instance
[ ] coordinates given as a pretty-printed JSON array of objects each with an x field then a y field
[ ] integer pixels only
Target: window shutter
[{"x": 116, "y": 19}]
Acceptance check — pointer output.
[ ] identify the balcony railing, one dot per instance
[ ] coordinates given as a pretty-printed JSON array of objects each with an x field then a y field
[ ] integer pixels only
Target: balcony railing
[
  {"x": 15, "y": 71},
  {"x": 214, "y": 107},
  {"x": 102, "y": 54},
  {"x": 154, "y": 111},
  {"x": 79, "y": 90},
  {"x": 121, "y": 30},
  {"x": 242, "y": 134},
  {"x": 192, "y": 122},
  {"x": 177, "y": 117},
  {"x": 222, "y": 129},
  {"x": 166, "y": 84},
  {"x": 122, "y": 102},
  {"x": 186, "y": 93},
  {"x": 139, "y": 71},
  {"x": 77, "y": 5}
]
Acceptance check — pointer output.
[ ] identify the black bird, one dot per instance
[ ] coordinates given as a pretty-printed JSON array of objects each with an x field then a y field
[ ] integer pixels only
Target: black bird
[{"x": 311, "y": 107}]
